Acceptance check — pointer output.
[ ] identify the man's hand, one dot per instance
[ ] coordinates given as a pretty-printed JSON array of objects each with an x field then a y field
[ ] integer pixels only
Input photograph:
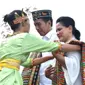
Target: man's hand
[{"x": 50, "y": 73}]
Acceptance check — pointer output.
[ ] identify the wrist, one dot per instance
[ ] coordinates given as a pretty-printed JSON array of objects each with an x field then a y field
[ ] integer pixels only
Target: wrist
[{"x": 51, "y": 57}]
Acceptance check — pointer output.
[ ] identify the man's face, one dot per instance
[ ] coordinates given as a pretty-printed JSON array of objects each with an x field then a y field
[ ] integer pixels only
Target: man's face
[
  {"x": 63, "y": 32},
  {"x": 42, "y": 27}
]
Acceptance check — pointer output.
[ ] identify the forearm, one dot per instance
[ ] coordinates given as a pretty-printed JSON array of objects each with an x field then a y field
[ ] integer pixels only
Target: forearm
[
  {"x": 69, "y": 47},
  {"x": 61, "y": 59},
  {"x": 37, "y": 61}
]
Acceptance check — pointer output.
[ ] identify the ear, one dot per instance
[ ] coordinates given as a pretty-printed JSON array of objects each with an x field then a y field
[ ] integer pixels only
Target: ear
[
  {"x": 49, "y": 22},
  {"x": 70, "y": 28}
]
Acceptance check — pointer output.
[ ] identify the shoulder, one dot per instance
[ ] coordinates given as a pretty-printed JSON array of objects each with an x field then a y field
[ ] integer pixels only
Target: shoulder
[{"x": 73, "y": 54}]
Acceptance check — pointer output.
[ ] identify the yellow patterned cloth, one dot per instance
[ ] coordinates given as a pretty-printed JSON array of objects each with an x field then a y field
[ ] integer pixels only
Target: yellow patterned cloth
[{"x": 10, "y": 63}]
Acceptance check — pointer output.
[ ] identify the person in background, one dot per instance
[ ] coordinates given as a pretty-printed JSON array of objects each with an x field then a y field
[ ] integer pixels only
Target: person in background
[
  {"x": 43, "y": 23},
  {"x": 70, "y": 61}
]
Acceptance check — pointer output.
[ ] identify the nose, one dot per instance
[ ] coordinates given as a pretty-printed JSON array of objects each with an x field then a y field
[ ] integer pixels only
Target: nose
[{"x": 37, "y": 27}]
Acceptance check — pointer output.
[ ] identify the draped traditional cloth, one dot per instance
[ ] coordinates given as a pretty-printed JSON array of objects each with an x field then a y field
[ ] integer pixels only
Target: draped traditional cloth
[
  {"x": 60, "y": 75},
  {"x": 59, "y": 72},
  {"x": 31, "y": 75},
  {"x": 82, "y": 44},
  {"x": 83, "y": 64}
]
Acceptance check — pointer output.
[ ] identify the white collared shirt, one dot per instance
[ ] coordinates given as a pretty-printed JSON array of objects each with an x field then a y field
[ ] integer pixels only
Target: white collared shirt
[{"x": 51, "y": 36}]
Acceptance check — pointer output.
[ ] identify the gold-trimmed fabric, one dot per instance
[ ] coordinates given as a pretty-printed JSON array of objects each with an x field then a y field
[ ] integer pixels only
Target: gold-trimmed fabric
[{"x": 10, "y": 63}]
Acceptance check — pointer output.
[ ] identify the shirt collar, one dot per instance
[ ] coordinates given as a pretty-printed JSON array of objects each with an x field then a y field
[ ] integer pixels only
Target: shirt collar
[{"x": 48, "y": 35}]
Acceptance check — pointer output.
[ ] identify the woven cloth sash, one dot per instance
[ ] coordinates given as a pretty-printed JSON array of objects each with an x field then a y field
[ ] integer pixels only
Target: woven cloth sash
[
  {"x": 30, "y": 75},
  {"x": 59, "y": 72},
  {"x": 83, "y": 63},
  {"x": 82, "y": 44},
  {"x": 10, "y": 63},
  {"x": 60, "y": 80}
]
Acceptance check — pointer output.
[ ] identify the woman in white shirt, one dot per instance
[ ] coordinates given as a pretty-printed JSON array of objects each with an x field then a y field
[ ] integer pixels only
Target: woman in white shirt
[{"x": 66, "y": 31}]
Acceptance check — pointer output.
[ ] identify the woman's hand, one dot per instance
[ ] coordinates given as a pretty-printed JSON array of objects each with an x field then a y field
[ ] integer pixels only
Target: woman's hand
[
  {"x": 60, "y": 58},
  {"x": 55, "y": 54}
]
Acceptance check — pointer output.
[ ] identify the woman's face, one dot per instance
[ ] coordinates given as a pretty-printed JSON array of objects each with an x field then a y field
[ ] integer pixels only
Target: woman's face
[{"x": 63, "y": 32}]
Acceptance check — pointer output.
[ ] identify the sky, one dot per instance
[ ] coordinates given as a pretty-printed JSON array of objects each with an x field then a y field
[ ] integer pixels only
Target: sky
[{"x": 72, "y": 8}]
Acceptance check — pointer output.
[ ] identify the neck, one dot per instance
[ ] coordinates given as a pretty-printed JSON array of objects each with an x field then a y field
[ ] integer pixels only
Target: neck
[
  {"x": 69, "y": 39},
  {"x": 17, "y": 32},
  {"x": 48, "y": 31}
]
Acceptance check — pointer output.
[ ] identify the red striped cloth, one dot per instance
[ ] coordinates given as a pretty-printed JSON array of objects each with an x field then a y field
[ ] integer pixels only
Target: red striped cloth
[
  {"x": 31, "y": 75},
  {"x": 60, "y": 74},
  {"x": 82, "y": 44},
  {"x": 83, "y": 63}
]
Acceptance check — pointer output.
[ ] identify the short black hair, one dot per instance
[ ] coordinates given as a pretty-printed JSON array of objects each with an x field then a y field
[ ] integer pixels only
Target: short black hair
[{"x": 46, "y": 19}]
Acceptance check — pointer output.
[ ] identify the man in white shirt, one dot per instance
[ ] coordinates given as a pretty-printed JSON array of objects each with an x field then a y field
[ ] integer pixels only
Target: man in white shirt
[{"x": 43, "y": 24}]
